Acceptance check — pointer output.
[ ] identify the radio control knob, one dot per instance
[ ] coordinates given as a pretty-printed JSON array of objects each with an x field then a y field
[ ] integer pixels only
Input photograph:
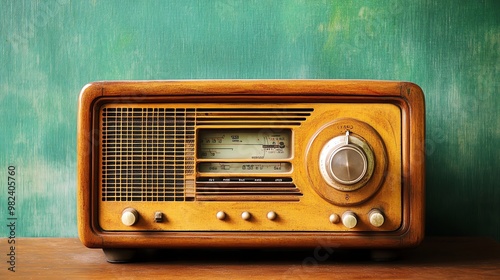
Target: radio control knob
[
  {"x": 348, "y": 163},
  {"x": 221, "y": 215},
  {"x": 334, "y": 218},
  {"x": 159, "y": 217},
  {"x": 271, "y": 215},
  {"x": 130, "y": 216},
  {"x": 246, "y": 216},
  {"x": 349, "y": 219},
  {"x": 376, "y": 218},
  {"x": 345, "y": 161}
]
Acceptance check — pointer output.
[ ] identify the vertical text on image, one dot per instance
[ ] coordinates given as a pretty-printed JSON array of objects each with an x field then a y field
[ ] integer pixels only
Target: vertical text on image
[{"x": 11, "y": 218}]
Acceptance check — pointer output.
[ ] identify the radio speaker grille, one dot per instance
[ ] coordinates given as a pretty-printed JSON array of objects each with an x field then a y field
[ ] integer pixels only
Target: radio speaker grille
[{"x": 147, "y": 154}]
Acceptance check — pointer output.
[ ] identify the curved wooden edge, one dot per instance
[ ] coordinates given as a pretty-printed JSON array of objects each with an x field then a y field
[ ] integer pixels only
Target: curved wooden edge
[
  {"x": 85, "y": 139},
  {"x": 410, "y": 234},
  {"x": 415, "y": 99},
  {"x": 250, "y": 87},
  {"x": 241, "y": 240}
]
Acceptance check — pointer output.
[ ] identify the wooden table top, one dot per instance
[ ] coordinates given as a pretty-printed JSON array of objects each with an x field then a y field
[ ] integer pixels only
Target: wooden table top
[{"x": 67, "y": 258}]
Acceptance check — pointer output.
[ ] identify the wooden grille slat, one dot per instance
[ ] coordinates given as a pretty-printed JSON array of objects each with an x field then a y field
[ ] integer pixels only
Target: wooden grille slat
[
  {"x": 251, "y": 116},
  {"x": 245, "y": 191}
]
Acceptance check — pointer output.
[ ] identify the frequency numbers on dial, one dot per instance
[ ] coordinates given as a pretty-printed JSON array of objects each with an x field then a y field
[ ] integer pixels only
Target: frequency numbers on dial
[{"x": 237, "y": 167}]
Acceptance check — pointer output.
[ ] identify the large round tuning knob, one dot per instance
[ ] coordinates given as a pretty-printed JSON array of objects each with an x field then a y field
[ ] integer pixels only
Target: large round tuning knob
[
  {"x": 346, "y": 162},
  {"x": 348, "y": 165}
]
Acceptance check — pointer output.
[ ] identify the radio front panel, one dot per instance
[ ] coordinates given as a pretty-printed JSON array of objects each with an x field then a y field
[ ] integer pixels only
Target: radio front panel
[
  {"x": 188, "y": 162},
  {"x": 250, "y": 163}
]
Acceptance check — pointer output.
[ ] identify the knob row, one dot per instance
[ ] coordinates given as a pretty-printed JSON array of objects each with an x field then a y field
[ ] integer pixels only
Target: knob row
[
  {"x": 130, "y": 216},
  {"x": 271, "y": 215},
  {"x": 350, "y": 219}
]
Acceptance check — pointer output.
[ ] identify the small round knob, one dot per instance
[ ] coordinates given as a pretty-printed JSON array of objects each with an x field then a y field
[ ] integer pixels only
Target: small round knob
[
  {"x": 130, "y": 216},
  {"x": 271, "y": 215},
  {"x": 376, "y": 218},
  {"x": 334, "y": 218},
  {"x": 246, "y": 216},
  {"x": 221, "y": 215},
  {"x": 349, "y": 219}
]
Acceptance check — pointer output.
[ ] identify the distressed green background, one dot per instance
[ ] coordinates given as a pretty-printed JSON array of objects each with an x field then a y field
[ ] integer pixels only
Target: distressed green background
[{"x": 50, "y": 49}]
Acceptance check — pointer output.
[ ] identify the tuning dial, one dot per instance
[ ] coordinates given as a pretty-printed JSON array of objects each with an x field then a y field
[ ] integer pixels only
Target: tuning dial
[
  {"x": 346, "y": 162},
  {"x": 130, "y": 216},
  {"x": 349, "y": 219}
]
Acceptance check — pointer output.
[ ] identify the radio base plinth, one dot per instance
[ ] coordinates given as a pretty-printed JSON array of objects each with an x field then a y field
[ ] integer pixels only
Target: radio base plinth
[
  {"x": 119, "y": 255},
  {"x": 384, "y": 255}
]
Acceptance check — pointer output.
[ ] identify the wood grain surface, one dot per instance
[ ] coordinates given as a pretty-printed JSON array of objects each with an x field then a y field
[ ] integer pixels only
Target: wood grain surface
[
  {"x": 50, "y": 49},
  {"x": 437, "y": 258},
  {"x": 396, "y": 112}
]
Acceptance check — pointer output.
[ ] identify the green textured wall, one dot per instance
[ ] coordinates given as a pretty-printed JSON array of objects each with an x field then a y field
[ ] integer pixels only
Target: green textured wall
[{"x": 50, "y": 49}]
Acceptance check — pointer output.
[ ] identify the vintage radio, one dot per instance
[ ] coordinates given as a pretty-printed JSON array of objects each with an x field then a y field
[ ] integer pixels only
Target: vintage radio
[{"x": 241, "y": 164}]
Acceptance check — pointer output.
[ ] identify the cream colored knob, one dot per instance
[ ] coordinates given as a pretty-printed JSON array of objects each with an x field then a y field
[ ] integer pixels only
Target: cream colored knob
[
  {"x": 246, "y": 216},
  {"x": 376, "y": 218},
  {"x": 271, "y": 215},
  {"x": 129, "y": 216},
  {"x": 221, "y": 215},
  {"x": 334, "y": 218},
  {"x": 349, "y": 219}
]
